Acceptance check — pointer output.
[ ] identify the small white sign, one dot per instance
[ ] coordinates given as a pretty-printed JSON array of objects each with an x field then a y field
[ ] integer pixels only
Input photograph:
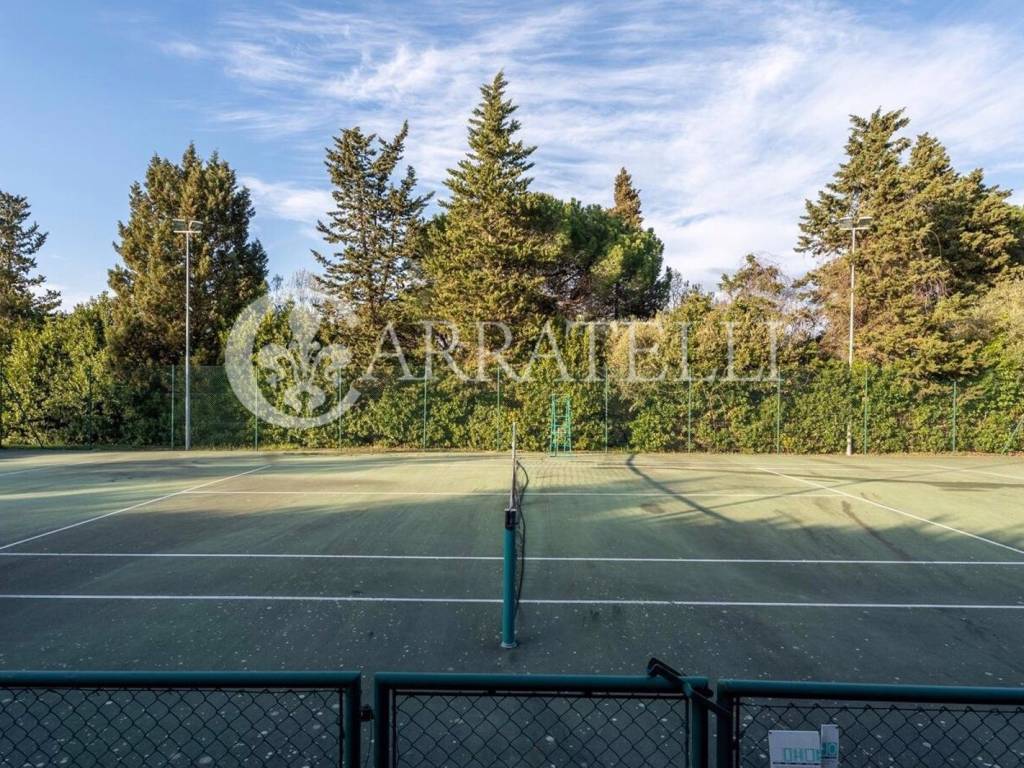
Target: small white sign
[
  {"x": 830, "y": 746},
  {"x": 794, "y": 749}
]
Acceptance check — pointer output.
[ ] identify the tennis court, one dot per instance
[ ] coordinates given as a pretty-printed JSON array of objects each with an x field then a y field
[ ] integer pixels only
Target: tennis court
[{"x": 866, "y": 568}]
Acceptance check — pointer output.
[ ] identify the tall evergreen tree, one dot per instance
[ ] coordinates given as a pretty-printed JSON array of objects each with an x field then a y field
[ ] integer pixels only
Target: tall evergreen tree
[
  {"x": 377, "y": 223},
  {"x": 21, "y": 300},
  {"x": 627, "y": 200},
  {"x": 228, "y": 270},
  {"x": 492, "y": 247},
  {"x": 937, "y": 239}
]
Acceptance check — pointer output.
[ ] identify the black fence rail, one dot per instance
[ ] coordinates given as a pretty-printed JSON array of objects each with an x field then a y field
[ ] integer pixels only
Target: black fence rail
[
  {"x": 535, "y": 720},
  {"x": 179, "y": 719},
  {"x": 879, "y": 725}
]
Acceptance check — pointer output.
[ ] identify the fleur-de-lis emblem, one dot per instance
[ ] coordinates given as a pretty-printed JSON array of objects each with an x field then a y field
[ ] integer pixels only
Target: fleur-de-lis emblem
[
  {"x": 302, "y": 363},
  {"x": 304, "y": 374}
]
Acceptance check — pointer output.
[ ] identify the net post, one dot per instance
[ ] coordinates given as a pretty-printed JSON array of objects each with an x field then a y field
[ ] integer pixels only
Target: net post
[{"x": 508, "y": 596}]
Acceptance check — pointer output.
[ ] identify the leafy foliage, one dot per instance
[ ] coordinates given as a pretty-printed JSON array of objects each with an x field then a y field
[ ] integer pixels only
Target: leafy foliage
[{"x": 20, "y": 303}]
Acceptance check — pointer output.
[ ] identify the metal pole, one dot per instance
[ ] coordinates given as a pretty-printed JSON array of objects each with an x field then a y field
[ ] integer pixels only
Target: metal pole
[
  {"x": 2, "y": 402},
  {"x": 778, "y": 414},
  {"x": 256, "y": 415},
  {"x": 606, "y": 410},
  {"x": 497, "y": 421},
  {"x": 954, "y": 417},
  {"x": 424, "y": 410},
  {"x": 849, "y": 421},
  {"x": 337, "y": 375},
  {"x": 90, "y": 412},
  {"x": 689, "y": 415},
  {"x": 508, "y": 587},
  {"x": 864, "y": 446},
  {"x": 188, "y": 320},
  {"x": 172, "y": 406}
]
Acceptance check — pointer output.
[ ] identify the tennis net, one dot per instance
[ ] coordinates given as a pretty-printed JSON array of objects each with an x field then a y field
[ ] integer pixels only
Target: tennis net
[{"x": 515, "y": 548}]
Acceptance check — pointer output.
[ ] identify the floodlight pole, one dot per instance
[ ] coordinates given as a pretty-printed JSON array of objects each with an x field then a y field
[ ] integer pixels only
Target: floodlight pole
[
  {"x": 854, "y": 225},
  {"x": 188, "y": 227}
]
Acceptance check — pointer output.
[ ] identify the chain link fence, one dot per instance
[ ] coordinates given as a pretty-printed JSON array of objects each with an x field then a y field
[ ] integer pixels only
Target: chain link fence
[
  {"x": 878, "y": 725},
  {"x": 476, "y": 721},
  {"x": 85, "y": 720},
  {"x": 807, "y": 410}
]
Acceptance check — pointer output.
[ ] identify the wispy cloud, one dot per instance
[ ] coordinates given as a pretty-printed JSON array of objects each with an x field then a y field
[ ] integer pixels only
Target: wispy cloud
[
  {"x": 287, "y": 201},
  {"x": 728, "y": 114},
  {"x": 183, "y": 50}
]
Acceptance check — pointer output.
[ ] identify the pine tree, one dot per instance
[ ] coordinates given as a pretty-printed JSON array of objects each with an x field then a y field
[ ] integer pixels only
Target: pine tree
[
  {"x": 493, "y": 246},
  {"x": 377, "y": 223},
  {"x": 20, "y": 300},
  {"x": 228, "y": 270},
  {"x": 938, "y": 239},
  {"x": 627, "y": 200}
]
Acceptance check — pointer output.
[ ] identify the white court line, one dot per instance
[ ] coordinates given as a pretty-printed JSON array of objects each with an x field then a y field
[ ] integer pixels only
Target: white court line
[
  {"x": 530, "y": 601},
  {"x": 128, "y": 509},
  {"x": 52, "y": 467},
  {"x": 22, "y": 471},
  {"x": 731, "y": 467},
  {"x": 911, "y": 515},
  {"x": 979, "y": 472},
  {"x": 498, "y": 558},
  {"x": 664, "y": 494}
]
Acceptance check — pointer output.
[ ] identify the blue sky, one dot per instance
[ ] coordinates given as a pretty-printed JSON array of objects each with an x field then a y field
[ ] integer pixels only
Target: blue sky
[{"x": 728, "y": 114}]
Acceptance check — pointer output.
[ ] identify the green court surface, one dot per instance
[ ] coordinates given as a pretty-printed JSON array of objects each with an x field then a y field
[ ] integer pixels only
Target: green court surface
[{"x": 820, "y": 567}]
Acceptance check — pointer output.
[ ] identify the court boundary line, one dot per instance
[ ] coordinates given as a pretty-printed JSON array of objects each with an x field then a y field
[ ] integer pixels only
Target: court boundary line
[
  {"x": 1018, "y": 478},
  {"x": 525, "y": 601},
  {"x": 130, "y": 508},
  {"x": 499, "y": 493},
  {"x": 498, "y": 558},
  {"x": 898, "y": 511}
]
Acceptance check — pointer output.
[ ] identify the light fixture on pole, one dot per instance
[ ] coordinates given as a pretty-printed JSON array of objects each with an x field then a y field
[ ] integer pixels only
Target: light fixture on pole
[
  {"x": 188, "y": 227},
  {"x": 852, "y": 224}
]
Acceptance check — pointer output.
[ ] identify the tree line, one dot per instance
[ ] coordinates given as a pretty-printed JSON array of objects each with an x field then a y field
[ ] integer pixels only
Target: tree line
[{"x": 939, "y": 292}]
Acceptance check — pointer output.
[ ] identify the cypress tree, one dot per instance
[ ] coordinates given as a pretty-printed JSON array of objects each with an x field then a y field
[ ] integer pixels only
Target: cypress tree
[{"x": 20, "y": 301}]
